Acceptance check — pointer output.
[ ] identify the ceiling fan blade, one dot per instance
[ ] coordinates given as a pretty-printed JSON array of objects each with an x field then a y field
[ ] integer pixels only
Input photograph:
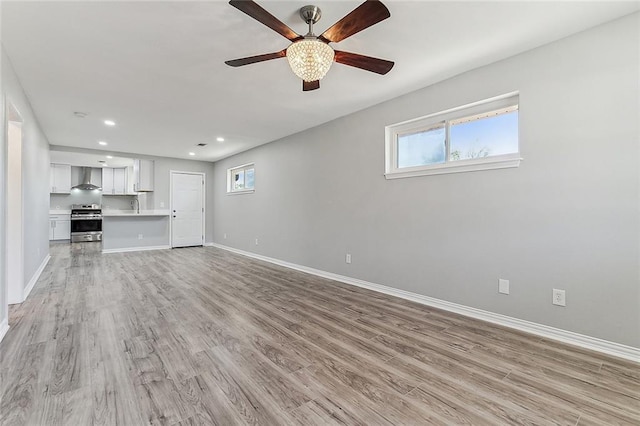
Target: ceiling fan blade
[
  {"x": 254, "y": 10},
  {"x": 310, "y": 85},
  {"x": 258, "y": 58},
  {"x": 379, "y": 66},
  {"x": 367, "y": 14}
]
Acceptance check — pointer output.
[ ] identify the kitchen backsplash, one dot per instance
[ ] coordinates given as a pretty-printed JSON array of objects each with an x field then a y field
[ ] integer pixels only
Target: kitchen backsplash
[{"x": 64, "y": 201}]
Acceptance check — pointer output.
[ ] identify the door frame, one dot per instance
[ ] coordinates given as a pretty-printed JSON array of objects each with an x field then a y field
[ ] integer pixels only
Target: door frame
[
  {"x": 14, "y": 219},
  {"x": 204, "y": 202}
]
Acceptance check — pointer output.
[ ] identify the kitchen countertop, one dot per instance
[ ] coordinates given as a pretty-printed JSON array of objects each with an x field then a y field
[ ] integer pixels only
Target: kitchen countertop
[
  {"x": 59, "y": 211},
  {"x": 133, "y": 213}
]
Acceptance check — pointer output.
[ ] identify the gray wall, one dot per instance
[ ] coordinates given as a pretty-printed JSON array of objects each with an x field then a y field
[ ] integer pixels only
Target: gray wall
[
  {"x": 566, "y": 218},
  {"x": 3, "y": 201},
  {"x": 35, "y": 158}
]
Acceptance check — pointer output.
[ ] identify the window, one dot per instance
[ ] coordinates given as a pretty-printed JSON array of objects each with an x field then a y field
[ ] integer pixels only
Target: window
[
  {"x": 241, "y": 179},
  {"x": 480, "y": 136}
]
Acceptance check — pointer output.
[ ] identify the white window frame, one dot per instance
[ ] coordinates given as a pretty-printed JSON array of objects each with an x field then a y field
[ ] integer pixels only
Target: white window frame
[
  {"x": 230, "y": 172},
  {"x": 434, "y": 120}
]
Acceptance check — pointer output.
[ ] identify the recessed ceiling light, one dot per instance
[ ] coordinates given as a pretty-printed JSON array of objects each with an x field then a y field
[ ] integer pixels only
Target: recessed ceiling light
[
  {"x": 109, "y": 122},
  {"x": 109, "y": 157},
  {"x": 220, "y": 139},
  {"x": 102, "y": 142},
  {"x": 192, "y": 153}
]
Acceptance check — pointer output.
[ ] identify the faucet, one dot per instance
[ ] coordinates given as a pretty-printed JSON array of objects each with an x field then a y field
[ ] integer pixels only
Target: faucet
[{"x": 137, "y": 203}]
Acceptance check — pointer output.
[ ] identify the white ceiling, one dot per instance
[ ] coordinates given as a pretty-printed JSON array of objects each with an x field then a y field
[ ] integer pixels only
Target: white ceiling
[
  {"x": 157, "y": 68},
  {"x": 90, "y": 160}
]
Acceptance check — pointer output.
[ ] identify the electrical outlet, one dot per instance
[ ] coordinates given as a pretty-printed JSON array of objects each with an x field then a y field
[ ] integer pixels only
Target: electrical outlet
[
  {"x": 256, "y": 241},
  {"x": 347, "y": 258},
  {"x": 161, "y": 204},
  {"x": 140, "y": 236},
  {"x": 225, "y": 236},
  {"x": 559, "y": 297},
  {"x": 503, "y": 286}
]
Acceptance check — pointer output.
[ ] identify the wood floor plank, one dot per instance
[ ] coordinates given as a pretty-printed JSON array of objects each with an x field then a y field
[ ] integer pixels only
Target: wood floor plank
[{"x": 201, "y": 336}]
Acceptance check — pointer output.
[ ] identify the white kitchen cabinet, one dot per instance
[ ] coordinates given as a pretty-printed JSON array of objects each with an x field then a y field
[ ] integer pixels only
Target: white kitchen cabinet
[
  {"x": 60, "y": 179},
  {"x": 143, "y": 175},
  {"x": 59, "y": 227},
  {"x": 120, "y": 180},
  {"x": 107, "y": 181},
  {"x": 114, "y": 181}
]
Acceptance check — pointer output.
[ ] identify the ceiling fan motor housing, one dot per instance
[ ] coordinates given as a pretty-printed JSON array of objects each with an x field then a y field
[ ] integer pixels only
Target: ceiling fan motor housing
[{"x": 310, "y": 14}]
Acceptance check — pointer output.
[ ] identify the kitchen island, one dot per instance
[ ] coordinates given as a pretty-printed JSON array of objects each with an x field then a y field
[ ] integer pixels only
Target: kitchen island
[{"x": 128, "y": 230}]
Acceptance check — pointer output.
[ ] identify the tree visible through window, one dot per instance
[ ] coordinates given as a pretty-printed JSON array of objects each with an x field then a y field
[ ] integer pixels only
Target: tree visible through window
[{"x": 493, "y": 133}]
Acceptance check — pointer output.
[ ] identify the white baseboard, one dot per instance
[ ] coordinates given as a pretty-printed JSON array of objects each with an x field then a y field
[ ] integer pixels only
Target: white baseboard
[
  {"x": 34, "y": 278},
  {"x": 569, "y": 337},
  {"x": 4, "y": 327},
  {"x": 128, "y": 249}
]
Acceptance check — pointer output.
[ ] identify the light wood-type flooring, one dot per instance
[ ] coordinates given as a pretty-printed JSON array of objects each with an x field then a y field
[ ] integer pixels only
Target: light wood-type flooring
[{"x": 200, "y": 336}]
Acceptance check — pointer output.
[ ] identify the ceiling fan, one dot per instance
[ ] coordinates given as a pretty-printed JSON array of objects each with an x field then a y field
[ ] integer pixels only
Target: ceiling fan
[{"x": 310, "y": 56}]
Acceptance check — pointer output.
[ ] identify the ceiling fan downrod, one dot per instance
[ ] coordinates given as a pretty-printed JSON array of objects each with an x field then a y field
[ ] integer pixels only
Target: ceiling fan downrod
[{"x": 310, "y": 14}]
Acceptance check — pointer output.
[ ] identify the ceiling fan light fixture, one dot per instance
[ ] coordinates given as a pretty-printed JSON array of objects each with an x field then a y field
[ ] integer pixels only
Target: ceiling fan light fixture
[{"x": 310, "y": 58}]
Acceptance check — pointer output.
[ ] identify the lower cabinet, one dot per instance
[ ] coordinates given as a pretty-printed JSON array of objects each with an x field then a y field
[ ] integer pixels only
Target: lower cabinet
[{"x": 59, "y": 228}]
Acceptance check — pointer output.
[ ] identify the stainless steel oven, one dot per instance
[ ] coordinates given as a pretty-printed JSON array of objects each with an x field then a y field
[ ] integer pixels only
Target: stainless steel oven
[{"x": 86, "y": 222}]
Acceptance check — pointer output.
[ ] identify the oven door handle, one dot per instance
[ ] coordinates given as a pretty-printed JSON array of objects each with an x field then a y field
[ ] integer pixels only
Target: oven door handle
[{"x": 86, "y": 218}]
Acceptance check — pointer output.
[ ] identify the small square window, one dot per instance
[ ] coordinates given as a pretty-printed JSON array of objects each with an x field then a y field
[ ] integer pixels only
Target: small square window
[{"x": 241, "y": 179}]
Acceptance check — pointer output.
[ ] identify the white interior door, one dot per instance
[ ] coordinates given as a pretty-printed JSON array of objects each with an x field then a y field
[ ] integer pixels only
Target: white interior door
[{"x": 187, "y": 209}]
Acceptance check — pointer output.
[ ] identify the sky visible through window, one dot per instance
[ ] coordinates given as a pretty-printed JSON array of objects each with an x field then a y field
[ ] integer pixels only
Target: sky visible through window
[
  {"x": 250, "y": 175},
  {"x": 486, "y": 137}
]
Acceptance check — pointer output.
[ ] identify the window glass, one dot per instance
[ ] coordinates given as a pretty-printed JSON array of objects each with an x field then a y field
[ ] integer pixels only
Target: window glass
[
  {"x": 485, "y": 135},
  {"x": 249, "y": 177},
  {"x": 238, "y": 179},
  {"x": 422, "y": 148}
]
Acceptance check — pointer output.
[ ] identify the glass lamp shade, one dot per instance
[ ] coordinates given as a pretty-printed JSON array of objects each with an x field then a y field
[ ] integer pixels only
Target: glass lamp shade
[{"x": 310, "y": 59}]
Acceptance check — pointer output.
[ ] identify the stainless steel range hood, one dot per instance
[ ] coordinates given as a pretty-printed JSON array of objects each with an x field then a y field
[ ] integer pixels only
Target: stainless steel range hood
[{"x": 86, "y": 184}]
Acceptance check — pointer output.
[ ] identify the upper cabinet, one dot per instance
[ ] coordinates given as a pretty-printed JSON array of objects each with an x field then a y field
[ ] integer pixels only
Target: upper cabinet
[
  {"x": 143, "y": 175},
  {"x": 114, "y": 181},
  {"x": 60, "y": 179}
]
